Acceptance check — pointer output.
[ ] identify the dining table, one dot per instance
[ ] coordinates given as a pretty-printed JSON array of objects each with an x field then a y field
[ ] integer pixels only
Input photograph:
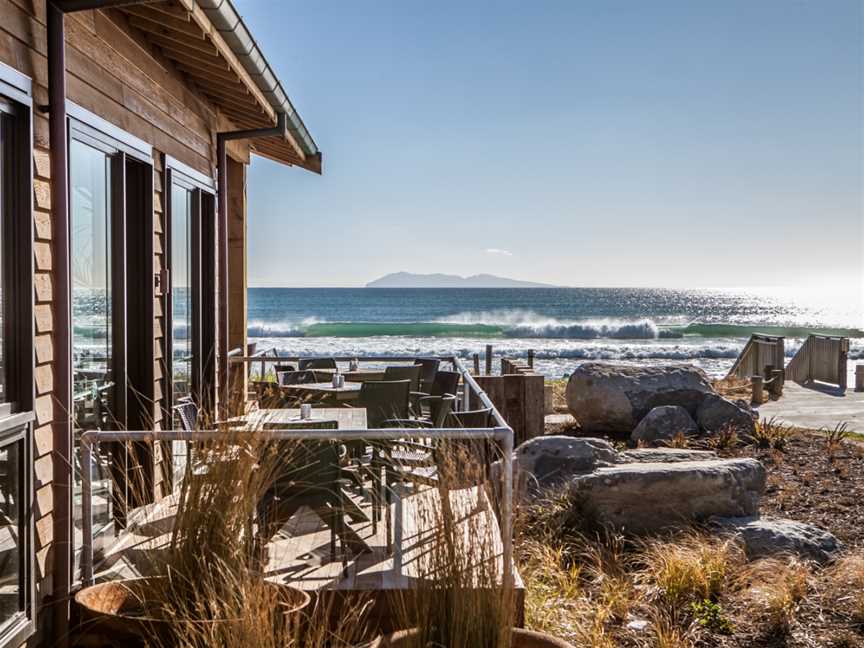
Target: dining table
[
  {"x": 346, "y": 418},
  {"x": 356, "y": 375},
  {"x": 349, "y": 391}
]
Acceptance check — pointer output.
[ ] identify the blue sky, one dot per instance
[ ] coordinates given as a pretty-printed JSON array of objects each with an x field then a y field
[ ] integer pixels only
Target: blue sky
[{"x": 680, "y": 144}]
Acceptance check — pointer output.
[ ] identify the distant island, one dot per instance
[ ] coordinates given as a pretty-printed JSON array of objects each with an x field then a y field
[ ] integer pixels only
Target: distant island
[{"x": 411, "y": 280}]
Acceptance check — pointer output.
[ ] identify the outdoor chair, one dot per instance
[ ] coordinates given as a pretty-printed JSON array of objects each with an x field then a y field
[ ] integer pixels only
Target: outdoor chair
[
  {"x": 384, "y": 400},
  {"x": 428, "y": 369},
  {"x": 446, "y": 464},
  {"x": 187, "y": 414},
  {"x": 410, "y": 373},
  {"x": 310, "y": 474},
  {"x": 444, "y": 383},
  {"x": 459, "y": 461},
  {"x": 285, "y": 378},
  {"x": 316, "y": 363}
]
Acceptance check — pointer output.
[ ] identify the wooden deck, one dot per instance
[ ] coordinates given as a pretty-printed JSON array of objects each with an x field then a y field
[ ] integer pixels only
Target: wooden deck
[{"x": 299, "y": 555}]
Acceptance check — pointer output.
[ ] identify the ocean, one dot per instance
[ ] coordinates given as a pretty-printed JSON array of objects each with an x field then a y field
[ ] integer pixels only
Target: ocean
[{"x": 563, "y": 326}]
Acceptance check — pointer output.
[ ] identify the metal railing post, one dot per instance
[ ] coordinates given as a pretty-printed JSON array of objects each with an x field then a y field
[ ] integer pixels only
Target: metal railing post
[
  {"x": 507, "y": 507},
  {"x": 87, "y": 511}
]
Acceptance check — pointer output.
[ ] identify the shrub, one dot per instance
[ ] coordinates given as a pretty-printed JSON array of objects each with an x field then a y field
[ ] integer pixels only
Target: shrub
[
  {"x": 771, "y": 434},
  {"x": 710, "y": 616}
]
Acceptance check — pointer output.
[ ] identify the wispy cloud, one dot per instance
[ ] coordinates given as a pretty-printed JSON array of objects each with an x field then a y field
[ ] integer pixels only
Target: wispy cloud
[{"x": 499, "y": 251}]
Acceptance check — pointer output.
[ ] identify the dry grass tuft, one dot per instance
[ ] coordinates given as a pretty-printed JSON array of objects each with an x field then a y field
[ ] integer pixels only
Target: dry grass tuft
[
  {"x": 733, "y": 388},
  {"x": 845, "y": 580},
  {"x": 775, "y": 588},
  {"x": 669, "y": 635},
  {"x": 695, "y": 567}
]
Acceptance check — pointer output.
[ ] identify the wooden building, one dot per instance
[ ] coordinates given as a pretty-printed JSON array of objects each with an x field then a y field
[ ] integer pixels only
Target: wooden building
[{"x": 126, "y": 128}]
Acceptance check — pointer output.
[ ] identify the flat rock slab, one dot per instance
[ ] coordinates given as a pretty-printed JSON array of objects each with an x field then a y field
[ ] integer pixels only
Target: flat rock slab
[
  {"x": 544, "y": 462},
  {"x": 645, "y": 497},
  {"x": 666, "y": 455},
  {"x": 769, "y": 536},
  {"x": 559, "y": 420}
]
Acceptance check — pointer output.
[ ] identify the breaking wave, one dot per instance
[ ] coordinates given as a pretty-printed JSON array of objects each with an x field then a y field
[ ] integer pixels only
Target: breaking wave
[{"x": 529, "y": 325}]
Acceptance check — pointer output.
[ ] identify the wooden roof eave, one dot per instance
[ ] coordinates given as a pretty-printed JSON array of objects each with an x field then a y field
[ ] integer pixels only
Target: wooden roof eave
[{"x": 201, "y": 54}]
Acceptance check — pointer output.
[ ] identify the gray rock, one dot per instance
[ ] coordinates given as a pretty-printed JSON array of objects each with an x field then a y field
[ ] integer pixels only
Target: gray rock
[
  {"x": 716, "y": 413},
  {"x": 666, "y": 455},
  {"x": 544, "y": 462},
  {"x": 614, "y": 398},
  {"x": 769, "y": 536},
  {"x": 644, "y": 497},
  {"x": 662, "y": 424}
]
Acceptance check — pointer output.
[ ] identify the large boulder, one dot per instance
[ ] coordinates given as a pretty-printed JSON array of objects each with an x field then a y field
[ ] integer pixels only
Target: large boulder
[
  {"x": 769, "y": 536},
  {"x": 664, "y": 423},
  {"x": 716, "y": 413},
  {"x": 614, "y": 398},
  {"x": 548, "y": 461},
  {"x": 645, "y": 497}
]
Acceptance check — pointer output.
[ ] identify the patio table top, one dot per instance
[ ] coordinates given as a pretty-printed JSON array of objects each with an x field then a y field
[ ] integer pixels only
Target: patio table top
[
  {"x": 348, "y": 391},
  {"x": 346, "y": 418}
]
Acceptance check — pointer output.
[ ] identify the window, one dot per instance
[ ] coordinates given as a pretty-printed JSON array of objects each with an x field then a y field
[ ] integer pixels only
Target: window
[
  {"x": 111, "y": 265},
  {"x": 17, "y": 606},
  {"x": 16, "y": 554},
  {"x": 190, "y": 231}
]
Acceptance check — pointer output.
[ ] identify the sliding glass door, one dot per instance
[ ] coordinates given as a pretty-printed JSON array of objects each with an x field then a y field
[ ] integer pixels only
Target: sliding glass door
[
  {"x": 111, "y": 266},
  {"x": 189, "y": 226},
  {"x": 93, "y": 349}
]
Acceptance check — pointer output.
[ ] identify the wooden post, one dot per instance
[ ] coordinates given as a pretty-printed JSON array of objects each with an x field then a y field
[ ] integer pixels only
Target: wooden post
[
  {"x": 757, "y": 383},
  {"x": 778, "y": 377},
  {"x": 841, "y": 363},
  {"x": 488, "y": 359},
  {"x": 859, "y": 378},
  {"x": 531, "y": 358},
  {"x": 476, "y": 364}
]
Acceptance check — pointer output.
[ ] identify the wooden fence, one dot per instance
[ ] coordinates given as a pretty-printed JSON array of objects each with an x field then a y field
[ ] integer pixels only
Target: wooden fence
[
  {"x": 519, "y": 399},
  {"x": 821, "y": 358},
  {"x": 759, "y": 352}
]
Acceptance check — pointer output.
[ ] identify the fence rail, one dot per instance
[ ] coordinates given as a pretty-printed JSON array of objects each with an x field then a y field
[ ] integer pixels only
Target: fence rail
[{"x": 759, "y": 352}]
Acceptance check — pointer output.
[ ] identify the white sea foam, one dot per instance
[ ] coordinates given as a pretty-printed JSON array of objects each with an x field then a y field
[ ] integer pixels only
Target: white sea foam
[{"x": 522, "y": 323}]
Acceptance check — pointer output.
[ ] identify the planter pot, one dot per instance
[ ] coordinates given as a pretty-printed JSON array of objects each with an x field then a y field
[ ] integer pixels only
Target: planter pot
[
  {"x": 111, "y": 613},
  {"x": 520, "y": 639}
]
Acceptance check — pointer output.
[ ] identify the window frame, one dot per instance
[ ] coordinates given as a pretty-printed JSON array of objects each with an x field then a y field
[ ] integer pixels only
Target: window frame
[{"x": 17, "y": 418}]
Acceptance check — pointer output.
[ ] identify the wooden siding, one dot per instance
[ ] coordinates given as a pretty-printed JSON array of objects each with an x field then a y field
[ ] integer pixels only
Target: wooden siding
[
  {"x": 115, "y": 74},
  {"x": 162, "y": 381}
]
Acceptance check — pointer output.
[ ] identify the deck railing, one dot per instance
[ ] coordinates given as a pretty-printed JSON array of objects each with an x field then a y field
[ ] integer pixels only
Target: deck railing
[
  {"x": 500, "y": 432},
  {"x": 821, "y": 358}
]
